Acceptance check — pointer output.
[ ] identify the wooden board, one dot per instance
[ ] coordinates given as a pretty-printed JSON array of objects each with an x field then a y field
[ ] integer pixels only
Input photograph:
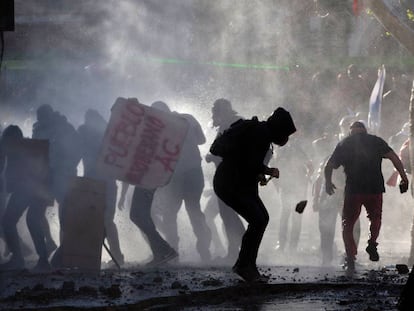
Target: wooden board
[{"x": 83, "y": 233}]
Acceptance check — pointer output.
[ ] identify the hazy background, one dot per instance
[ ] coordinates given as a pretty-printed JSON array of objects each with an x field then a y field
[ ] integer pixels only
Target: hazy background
[{"x": 80, "y": 54}]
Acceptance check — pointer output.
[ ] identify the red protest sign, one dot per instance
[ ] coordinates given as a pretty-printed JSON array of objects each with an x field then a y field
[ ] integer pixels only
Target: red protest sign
[{"x": 141, "y": 145}]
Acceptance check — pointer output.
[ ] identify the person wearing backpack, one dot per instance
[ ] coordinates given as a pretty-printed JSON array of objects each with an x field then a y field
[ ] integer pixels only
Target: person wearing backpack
[
  {"x": 223, "y": 116},
  {"x": 244, "y": 147},
  {"x": 64, "y": 157}
]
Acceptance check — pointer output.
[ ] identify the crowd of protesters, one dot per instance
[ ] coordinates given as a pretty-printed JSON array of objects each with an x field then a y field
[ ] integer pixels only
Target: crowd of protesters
[{"x": 323, "y": 106}]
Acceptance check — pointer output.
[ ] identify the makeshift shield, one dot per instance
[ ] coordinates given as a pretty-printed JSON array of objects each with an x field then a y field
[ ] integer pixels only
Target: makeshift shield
[{"x": 141, "y": 145}]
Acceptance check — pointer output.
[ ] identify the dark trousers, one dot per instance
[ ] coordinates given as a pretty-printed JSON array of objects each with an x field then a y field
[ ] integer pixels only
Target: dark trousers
[
  {"x": 185, "y": 187},
  {"x": 111, "y": 231},
  {"x": 140, "y": 214},
  {"x": 233, "y": 227},
  {"x": 327, "y": 224},
  {"x": 290, "y": 222},
  {"x": 16, "y": 206},
  {"x": 244, "y": 199},
  {"x": 350, "y": 215}
]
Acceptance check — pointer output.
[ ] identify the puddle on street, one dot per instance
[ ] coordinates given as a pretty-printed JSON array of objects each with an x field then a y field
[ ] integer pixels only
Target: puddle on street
[{"x": 349, "y": 300}]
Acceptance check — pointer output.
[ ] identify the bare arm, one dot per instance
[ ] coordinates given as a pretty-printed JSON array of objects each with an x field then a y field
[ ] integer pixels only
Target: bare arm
[
  {"x": 393, "y": 157},
  {"x": 329, "y": 186}
]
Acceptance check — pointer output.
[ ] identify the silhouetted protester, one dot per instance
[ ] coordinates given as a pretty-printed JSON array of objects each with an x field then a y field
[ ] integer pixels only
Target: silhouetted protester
[
  {"x": 186, "y": 186},
  {"x": 329, "y": 207},
  {"x": 28, "y": 191},
  {"x": 352, "y": 90},
  {"x": 140, "y": 215},
  {"x": 243, "y": 148},
  {"x": 291, "y": 189},
  {"x": 64, "y": 155},
  {"x": 361, "y": 156},
  {"x": 223, "y": 116},
  {"x": 398, "y": 139},
  {"x": 322, "y": 146},
  {"x": 91, "y": 134},
  {"x": 211, "y": 211},
  {"x": 4, "y": 195}
]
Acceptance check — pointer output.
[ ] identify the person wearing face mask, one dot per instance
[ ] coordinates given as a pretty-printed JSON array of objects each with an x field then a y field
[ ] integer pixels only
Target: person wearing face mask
[{"x": 238, "y": 174}]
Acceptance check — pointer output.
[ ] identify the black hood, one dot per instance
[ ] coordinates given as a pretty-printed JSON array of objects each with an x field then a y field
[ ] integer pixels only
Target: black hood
[{"x": 281, "y": 123}]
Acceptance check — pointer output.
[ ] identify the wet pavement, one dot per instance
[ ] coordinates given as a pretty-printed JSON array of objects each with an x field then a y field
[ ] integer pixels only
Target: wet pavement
[{"x": 189, "y": 287}]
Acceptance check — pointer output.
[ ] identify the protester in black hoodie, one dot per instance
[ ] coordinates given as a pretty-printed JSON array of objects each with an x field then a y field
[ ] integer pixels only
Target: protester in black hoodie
[
  {"x": 236, "y": 182},
  {"x": 28, "y": 191}
]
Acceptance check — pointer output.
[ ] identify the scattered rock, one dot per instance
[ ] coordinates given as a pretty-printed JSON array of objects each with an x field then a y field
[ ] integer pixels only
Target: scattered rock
[
  {"x": 157, "y": 279},
  {"x": 88, "y": 291},
  {"x": 402, "y": 269},
  {"x": 212, "y": 282},
  {"x": 176, "y": 285},
  {"x": 113, "y": 292}
]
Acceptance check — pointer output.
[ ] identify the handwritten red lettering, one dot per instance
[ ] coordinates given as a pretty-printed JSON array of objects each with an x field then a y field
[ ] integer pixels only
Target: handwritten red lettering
[
  {"x": 168, "y": 151},
  {"x": 122, "y": 132},
  {"x": 111, "y": 159},
  {"x": 166, "y": 162},
  {"x": 156, "y": 122},
  {"x": 146, "y": 148},
  {"x": 135, "y": 109}
]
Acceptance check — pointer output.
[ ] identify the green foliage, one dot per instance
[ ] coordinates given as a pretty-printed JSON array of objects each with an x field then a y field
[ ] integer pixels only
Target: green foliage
[{"x": 410, "y": 15}]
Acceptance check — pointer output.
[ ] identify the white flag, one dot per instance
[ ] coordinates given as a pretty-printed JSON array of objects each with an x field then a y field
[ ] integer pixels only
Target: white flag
[{"x": 375, "y": 102}]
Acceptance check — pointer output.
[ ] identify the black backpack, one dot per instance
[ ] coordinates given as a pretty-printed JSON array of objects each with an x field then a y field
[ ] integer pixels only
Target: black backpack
[{"x": 230, "y": 141}]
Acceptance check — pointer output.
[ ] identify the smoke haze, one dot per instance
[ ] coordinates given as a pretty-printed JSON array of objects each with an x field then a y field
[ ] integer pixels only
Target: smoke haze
[{"x": 258, "y": 54}]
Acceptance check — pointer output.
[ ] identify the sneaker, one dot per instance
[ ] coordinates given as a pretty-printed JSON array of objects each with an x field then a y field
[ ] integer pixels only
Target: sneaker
[
  {"x": 349, "y": 261},
  {"x": 159, "y": 260},
  {"x": 372, "y": 251},
  {"x": 250, "y": 274},
  {"x": 349, "y": 267}
]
